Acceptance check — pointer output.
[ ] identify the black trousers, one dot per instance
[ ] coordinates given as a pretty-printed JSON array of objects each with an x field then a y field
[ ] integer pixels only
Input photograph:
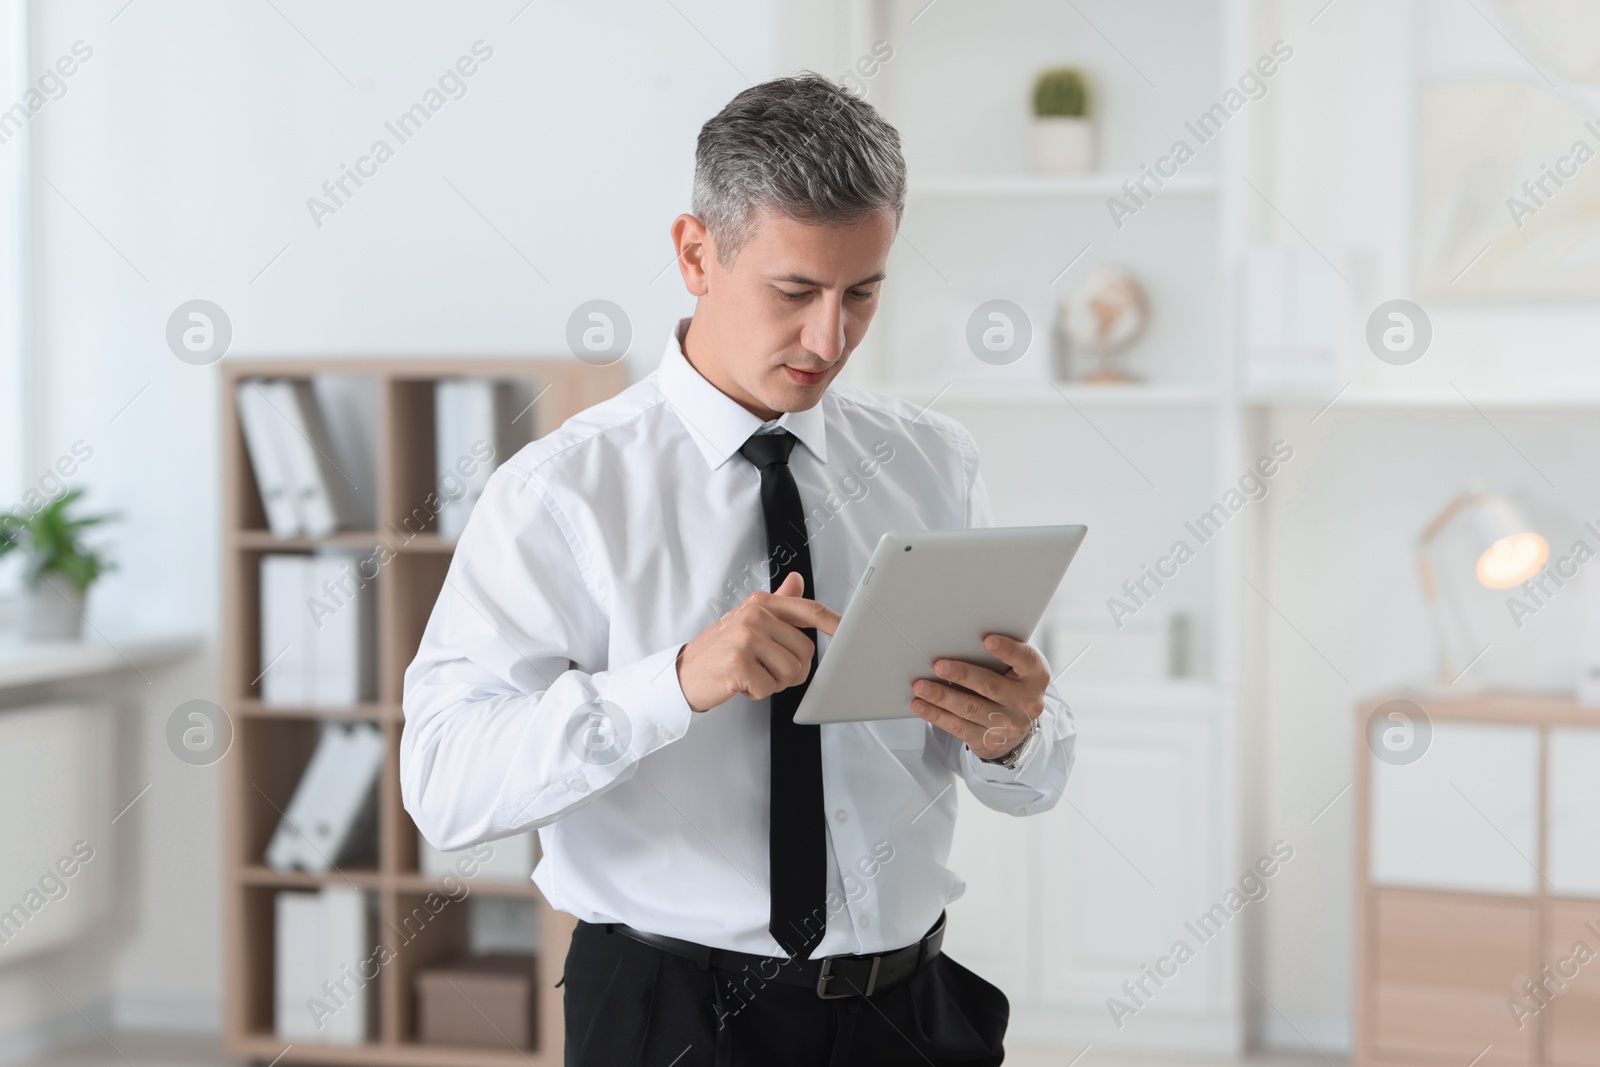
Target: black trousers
[{"x": 629, "y": 1004}]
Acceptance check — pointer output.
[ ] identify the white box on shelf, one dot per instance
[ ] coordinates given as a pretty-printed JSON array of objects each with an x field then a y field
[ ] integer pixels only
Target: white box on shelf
[
  {"x": 1290, "y": 310},
  {"x": 501, "y": 924},
  {"x": 1095, "y": 648}
]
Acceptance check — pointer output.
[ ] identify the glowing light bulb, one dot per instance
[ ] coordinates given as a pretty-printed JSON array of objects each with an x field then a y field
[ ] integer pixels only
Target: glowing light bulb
[{"x": 1512, "y": 560}]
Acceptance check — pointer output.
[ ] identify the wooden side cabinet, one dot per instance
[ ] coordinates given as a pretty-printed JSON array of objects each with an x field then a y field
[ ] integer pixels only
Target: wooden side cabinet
[
  {"x": 1477, "y": 883},
  {"x": 272, "y": 744}
]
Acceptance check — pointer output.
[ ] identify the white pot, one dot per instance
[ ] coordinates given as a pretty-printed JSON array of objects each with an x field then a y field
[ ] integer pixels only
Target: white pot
[
  {"x": 1060, "y": 145},
  {"x": 54, "y": 610}
]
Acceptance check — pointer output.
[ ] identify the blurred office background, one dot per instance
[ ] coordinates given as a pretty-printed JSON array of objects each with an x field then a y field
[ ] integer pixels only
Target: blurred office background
[{"x": 1339, "y": 345}]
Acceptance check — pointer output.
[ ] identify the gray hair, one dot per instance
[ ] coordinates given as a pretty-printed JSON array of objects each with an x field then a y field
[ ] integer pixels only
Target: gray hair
[{"x": 801, "y": 146}]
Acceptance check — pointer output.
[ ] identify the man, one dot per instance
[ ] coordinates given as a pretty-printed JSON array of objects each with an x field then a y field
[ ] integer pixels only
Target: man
[{"x": 630, "y": 620}]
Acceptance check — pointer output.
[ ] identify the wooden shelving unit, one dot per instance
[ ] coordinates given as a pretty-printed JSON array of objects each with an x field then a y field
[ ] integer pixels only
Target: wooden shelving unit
[
  {"x": 1438, "y": 963},
  {"x": 272, "y": 744}
]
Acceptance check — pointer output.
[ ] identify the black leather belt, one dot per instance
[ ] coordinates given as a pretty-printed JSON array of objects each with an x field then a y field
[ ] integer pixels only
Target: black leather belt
[{"x": 832, "y": 977}]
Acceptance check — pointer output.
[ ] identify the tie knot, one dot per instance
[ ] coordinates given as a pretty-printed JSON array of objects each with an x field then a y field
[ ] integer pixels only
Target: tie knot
[{"x": 765, "y": 449}]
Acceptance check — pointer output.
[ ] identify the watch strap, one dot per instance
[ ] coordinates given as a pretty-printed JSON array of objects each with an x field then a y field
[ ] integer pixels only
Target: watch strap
[{"x": 1019, "y": 751}]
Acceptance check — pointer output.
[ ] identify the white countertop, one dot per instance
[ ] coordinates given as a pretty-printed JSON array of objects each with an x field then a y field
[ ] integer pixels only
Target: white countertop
[{"x": 37, "y": 662}]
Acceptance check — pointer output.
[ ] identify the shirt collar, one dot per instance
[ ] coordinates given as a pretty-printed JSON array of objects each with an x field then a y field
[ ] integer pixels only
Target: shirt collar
[{"x": 719, "y": 424}]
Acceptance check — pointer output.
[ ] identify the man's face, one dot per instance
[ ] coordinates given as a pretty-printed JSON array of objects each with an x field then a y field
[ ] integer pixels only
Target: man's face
[{"x": 795, "y": 303}]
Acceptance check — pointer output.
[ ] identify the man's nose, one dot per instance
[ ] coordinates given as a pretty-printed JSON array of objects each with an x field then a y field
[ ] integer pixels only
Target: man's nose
[{"x": 823, "y": 335}]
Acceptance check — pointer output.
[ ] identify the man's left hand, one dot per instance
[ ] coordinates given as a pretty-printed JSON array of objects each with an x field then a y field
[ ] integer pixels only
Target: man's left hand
[{"x": 991, "y": 712}]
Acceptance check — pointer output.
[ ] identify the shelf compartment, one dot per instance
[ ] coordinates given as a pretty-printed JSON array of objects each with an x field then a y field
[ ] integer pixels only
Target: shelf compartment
[
  {"x": 1441, "y": 974},
  {"x": 273, "y": 754},
  {"x": 410, "y": 586},
  {"x": 420, "y": 928}
]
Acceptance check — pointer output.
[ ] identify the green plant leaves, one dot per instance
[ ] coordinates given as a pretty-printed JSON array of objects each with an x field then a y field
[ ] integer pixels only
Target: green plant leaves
[
  {"x": 52, "y": 539},
  {"x": 1061, "y": 91}
]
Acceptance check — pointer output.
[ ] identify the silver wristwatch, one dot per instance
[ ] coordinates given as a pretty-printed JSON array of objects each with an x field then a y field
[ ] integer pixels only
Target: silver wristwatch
[{"x": 1010, "y": 760}]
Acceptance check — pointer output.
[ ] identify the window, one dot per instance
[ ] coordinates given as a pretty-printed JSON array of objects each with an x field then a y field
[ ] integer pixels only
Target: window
[{"x": 15, "y": 303}]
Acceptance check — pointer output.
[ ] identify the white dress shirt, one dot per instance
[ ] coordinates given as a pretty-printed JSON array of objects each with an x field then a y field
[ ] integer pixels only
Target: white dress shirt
[{"x": 545, "y": 693}]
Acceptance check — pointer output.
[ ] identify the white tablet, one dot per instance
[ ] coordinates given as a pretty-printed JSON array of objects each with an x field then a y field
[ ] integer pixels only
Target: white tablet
[{"x": 928, "y": 595}]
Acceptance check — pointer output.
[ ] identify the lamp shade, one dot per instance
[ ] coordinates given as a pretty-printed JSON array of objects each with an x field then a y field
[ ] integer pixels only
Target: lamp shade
[
  {"x": 1478, "y": 537},
  {"x": 1512, "y": 552},
  {"x": 1512, "y": 560}
]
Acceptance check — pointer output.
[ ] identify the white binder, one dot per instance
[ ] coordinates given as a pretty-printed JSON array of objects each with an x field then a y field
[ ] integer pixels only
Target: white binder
[
  {"x": 268, "y": 459},
  {"x": 478, "y": 424},
  {"x": 297, "y": 959},
  {"x": 317, "y": 631},
  {"x": 321, "y": 943},
  {"x": 323, "y": 496},
  {"x": 283, "y": 643},
  {"x": 337, "y": 622},
  {"x": 330, "y": 817}
]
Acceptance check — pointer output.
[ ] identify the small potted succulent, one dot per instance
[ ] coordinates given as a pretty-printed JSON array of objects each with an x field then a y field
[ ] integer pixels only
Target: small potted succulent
[
  {"x": 1061, "y": 139},
  {"x": 59, "y": 567}
]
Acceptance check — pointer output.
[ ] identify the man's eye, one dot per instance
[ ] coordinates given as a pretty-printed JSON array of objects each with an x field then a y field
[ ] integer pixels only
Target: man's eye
[
  {"x": 787, "y": 295},
  {"x": 863, "y": 294}
]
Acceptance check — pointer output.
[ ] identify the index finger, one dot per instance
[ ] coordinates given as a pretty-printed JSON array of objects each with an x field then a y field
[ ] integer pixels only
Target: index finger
[
  {"x": 1020, "y": 656},
  {"x": 798, "y": 611}
]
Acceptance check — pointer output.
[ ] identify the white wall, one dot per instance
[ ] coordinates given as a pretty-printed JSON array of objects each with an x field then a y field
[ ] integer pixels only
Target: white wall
[
  {"x": 190, "y": 141},
  {"x": 1336, "y": 555},
  {"x": 193, "y": 139}
]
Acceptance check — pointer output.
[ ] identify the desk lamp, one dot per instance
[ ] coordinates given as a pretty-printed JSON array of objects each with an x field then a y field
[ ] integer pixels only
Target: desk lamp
[{"x": 1477, "y": 537}]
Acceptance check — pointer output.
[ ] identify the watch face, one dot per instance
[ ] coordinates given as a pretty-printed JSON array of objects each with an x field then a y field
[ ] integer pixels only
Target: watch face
[
  {"x": 1016, "y": 755},
  {"x": 1023, "y": 747}
]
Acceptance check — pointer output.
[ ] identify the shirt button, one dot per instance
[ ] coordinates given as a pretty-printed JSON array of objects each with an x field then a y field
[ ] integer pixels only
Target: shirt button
[
  {"x": 663, "y": 734},
  {"x": 580, "y": 785},
  {"x": 864, "y": 922},
  {"x": 841, "y": 815}
]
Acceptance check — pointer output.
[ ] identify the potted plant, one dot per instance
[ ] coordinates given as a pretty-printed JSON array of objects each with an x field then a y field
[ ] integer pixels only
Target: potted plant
[
  {"x": 1061, "y": 139},
  {"x": 59, "y": 567}
]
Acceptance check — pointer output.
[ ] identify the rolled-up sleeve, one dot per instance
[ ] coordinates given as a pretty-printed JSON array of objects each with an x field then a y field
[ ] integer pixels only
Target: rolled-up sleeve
[
  {"x": 509, "y": 722},
  {"x": 1037, "y": 781}
]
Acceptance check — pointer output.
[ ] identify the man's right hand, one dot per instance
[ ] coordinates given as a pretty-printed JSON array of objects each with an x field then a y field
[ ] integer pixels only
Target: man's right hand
[{"x": 756, "y": 649}]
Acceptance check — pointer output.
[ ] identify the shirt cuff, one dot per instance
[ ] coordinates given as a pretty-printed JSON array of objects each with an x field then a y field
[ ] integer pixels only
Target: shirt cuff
[
  {"x": 1027, "y": 771},
  {"x": 647, "y": 702}
]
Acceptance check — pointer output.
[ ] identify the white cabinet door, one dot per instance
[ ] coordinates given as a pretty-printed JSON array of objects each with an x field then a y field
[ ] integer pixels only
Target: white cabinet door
[
  {"x": 1573, "y": 810},
  {"x": 1065, "y": 906},
  {"x": 990, "y": 924},
  {"x": 1463, "y": 816},
  {"x": 1124, "y": 862},
  {"x": 56, "y": 765}
]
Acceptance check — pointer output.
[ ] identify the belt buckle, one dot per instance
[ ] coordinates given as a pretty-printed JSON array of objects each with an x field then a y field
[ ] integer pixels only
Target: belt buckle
[{"x": 827, "y": 973}]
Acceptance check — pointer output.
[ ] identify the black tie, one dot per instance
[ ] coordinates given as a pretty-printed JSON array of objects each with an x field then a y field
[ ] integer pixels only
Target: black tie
[{"x": 797, "y": 847}]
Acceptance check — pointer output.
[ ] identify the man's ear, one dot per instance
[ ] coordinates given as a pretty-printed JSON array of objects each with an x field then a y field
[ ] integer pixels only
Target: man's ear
[{"x": 696, "y": 250}]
